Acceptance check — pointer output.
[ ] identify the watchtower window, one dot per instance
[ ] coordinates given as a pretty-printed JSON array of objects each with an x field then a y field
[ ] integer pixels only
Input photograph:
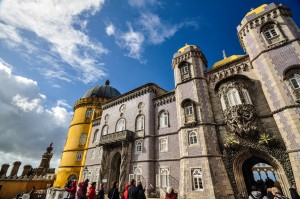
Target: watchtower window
[{"x": 270, "y": 32}]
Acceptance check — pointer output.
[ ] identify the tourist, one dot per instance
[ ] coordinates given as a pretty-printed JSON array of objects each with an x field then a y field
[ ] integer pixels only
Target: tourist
[
  {"x": 170, "y": 194},
  {"x": 92, "y": 191},
  {"x": 277, "y": 193},
  {"x": 269, "y": 193},
  {"x": 141, "y": 191},
  {"x": 71, "y": 190},
  {"x": 113, "y": 193},
  {"x": 293, "y": 191},
  {"x": 81, "y": 191},
  {"x": 125, "y": 194},
  {"x": 132, "y": 191},
  {"x": 101, "y": 192},
  {"x": 255, "y": 194}
]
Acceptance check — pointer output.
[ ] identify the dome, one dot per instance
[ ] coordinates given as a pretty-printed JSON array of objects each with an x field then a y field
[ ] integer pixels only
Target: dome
[
  {"x": 102, "y": 91},
  {"x": 181, "y": 50}
]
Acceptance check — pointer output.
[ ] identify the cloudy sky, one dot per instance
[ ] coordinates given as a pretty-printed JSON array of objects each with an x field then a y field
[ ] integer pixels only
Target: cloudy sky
[{"x": 52, "y": 52}]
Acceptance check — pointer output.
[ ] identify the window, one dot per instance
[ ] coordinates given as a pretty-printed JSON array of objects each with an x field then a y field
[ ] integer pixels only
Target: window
[
  {"x": 88, "y": 113},
  {"x": 197, "y": 179},
  {"x": 140, "y": 123},
  {"x": 137, "y": 171},
  {"x": 92, "y": 153},
  {"x": 233, "y": 97},
  {"x": 120, "y": 125},
  {"x": 163, "y": 144},
  {"x": 163, "y": 119},
  {"x": 79, "y": 156},
  {"x": 184, "y": 71},
  {"x": 138, "y": 147},
  {"x": 223, "y": 104},
  {"x": 246, "y": 96},
  {"x": 95, "y": 138},
  {"x": 192, "y": 137},
  {"x": 270, "y": 32},
  {"x": 82, "y": 139},
  {"x": 295, "y": 81},
  {"x": 164, "y": 177},
  {"x": 188, "y": 108},
  {"x": 104, "y": 130}
]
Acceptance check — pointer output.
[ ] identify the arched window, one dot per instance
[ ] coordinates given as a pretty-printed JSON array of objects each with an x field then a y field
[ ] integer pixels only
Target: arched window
[
  {"x": 137, "y": 171},
  {"x": 233, "y": 97},
  {"x": 197, "y": 179},
  {"x": 95, "y": 138},
  {"x": 79, "y": 156},
  {"x": 164, "y": 177},
  {"x": 104, "y": 130},
  {"x": 192, "y": 137},
  {"x": 120, "y": 125},
  {"x": 270, "y": 32},
  {"x": 223, "y": 104},
  {"x": 163, "y": 119},
  {"x": 246, "y": 96},
  {"x": 295, "y": 81},
  {"x": 140, "y": 122},
  {"x": 188, "y": 108},
  {"x": 163, "y": 144},
  {"x": 138, "y": 147}
]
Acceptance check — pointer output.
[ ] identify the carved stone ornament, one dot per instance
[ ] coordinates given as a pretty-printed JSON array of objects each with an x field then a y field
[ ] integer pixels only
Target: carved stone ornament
[
  {"x": 241, "y": 119},
  {"x": 231, "y": 142},
  {"x": 267, "y": 139}
]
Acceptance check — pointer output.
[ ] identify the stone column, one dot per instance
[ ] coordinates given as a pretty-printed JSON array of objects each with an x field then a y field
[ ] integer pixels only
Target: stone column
[
  {"x": 15, "y": 168},
  {"x": 123, "y": 166},
  {"x": 26, "y": 170},
  {"x": 4, "y": 169}
]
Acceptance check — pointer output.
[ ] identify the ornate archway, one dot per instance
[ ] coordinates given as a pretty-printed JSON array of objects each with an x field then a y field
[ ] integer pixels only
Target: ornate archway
[
  {"x": 276, "y": 157},
  {"x": 115, "y": 164}
]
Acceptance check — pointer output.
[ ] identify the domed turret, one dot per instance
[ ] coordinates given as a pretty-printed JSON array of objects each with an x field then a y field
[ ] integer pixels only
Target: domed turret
[{"x": 102, "y": 91}]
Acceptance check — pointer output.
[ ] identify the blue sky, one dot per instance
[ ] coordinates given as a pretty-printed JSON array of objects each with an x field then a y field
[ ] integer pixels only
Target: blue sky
[{"x": 52, "y": 52}]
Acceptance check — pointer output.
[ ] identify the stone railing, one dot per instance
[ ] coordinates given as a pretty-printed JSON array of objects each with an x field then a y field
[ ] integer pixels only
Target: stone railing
[{"x": 115, "y": 138}]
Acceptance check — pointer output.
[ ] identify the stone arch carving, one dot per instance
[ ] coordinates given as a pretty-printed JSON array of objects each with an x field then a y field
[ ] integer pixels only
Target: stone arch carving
[{"x": 234, "y": 159}]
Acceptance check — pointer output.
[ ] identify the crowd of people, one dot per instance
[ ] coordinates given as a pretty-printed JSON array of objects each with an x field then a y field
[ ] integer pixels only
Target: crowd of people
[{"x": 134, "y": 190}]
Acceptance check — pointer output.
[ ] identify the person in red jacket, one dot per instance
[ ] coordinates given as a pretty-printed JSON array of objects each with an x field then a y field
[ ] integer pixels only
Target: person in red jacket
[
  {"x": 92, "y": 191},
  {"x": 170, "y": 193},
  {"x": 72, "y": 190},
  {"x": 125, "y": 194}
]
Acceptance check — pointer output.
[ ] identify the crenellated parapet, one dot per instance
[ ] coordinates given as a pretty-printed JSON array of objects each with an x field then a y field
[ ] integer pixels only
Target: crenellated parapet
[
  {"x": 92, "y": 101},
  {"x": 164, "y": 99}
]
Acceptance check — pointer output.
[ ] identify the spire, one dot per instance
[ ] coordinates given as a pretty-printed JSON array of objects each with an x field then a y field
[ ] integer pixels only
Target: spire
[
  {"x": 224, "y": 54},
  {"x": 107, "y": 82}
]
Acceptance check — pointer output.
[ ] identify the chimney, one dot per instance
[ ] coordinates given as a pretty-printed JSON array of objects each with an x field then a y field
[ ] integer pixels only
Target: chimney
[
  {"x": 4, "y": 169},
  {"x": 26, "y": 170},
  {"x": 15, "y": 168}
]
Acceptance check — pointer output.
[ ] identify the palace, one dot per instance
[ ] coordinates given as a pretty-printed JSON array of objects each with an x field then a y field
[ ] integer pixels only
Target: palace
[{"x": 218, "y": 132}]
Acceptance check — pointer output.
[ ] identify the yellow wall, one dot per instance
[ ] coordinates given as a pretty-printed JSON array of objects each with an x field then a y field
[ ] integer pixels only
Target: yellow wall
[
  {"x": 80, "y": 124},
  {"x": 10, "y": 188}
]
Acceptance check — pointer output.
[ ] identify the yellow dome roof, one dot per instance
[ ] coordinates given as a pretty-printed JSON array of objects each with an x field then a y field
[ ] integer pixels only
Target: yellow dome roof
[
  {"x": 226, "y": 60},
  {"x": 257, "y": 10},
  {"x": 181, "y": 50}
]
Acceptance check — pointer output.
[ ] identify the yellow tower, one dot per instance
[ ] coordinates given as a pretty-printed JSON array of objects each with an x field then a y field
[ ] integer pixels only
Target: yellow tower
[{"x": 85, "y": 110}]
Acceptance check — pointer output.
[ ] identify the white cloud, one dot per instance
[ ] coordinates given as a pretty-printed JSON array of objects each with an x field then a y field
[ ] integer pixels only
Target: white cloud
[
  {"x": 133, "y": 42},
  {"x": 28, "y": 126},
  {"x": 110, "y": 29},
  {"x": 54, "y": 22},
  {"x": 143, "y": 3},
  {"x": 156, "y": 31}
]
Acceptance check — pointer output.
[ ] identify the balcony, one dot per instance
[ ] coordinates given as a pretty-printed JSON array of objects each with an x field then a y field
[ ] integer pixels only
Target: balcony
[{"x": 116, "y": 138}]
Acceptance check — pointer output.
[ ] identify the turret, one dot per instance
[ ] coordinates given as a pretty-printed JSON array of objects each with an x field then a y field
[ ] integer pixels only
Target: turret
[
  {"x": 15, "y": 168},
  {"x": 4, "y": 169}
]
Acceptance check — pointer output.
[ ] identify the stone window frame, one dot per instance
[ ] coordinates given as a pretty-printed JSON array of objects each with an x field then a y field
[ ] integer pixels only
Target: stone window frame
[
  {"x": 102, "y": 131},
  {"x": 293, "y": 72},
  {"x": 185, "y": 71},
  {"x": 193, "y": 170},
  {"x": 88, "y": 113},
  {"x": 79, "y": 156},
  {"x": 189, "y": 106},
  {"x": 233, "y": 96},
  {"x": 137, "y": 143},
  {"x": 123, "y": 127},
  {"x": 189, "y": 138},
  {"x": 137, "y": 176},
  {"x": 165, "y": 119},
  {"x": 276, "y": 34},
  {"x": 95, "y": 138},
  {"x": 167, "y": 168},
  {"x": 137, "y": 122},
  {"x": 161, "y": 139}
]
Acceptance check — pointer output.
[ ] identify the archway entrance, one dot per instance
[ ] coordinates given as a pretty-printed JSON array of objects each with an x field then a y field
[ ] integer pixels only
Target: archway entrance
[
  {"x": 259, "y": 172},
  {"x": 115, "y": 168}
]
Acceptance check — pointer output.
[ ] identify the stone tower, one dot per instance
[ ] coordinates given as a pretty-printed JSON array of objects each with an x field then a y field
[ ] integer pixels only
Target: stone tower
[
  {"x": 271, "y": 38},
  {"x": 85, "y": 110},
  {"x": 196, "y": 121}
]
